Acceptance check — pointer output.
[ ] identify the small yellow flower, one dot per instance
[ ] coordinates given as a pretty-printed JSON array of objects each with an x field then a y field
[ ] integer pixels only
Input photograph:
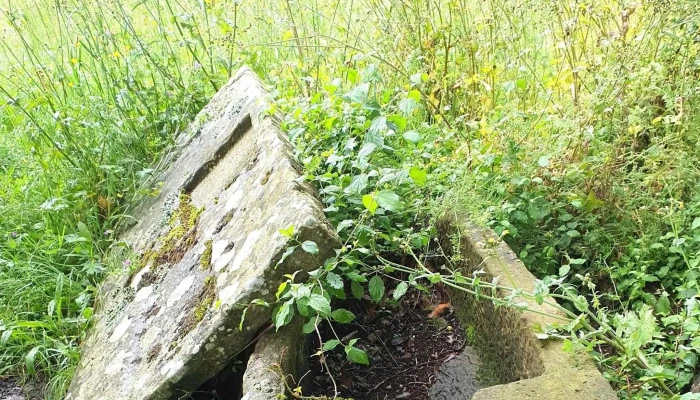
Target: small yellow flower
[
  {"x": 505, "y": 232},
  {"x": 127, "y": 48},
  {"x": 117, "y": 54},
  {"x": 77, "y": 44},
  {"x": 681, "y": 204},
  {"x": 492, "y": 240},
  {"x": 74, "y": 60},
  {"x": 70, "y": 84}
]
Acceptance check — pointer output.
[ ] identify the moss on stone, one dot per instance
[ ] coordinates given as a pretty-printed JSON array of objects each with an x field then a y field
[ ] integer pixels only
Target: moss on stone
[
  {"x": 205, "y": 261},
  {"x": 181, "y": 236}
]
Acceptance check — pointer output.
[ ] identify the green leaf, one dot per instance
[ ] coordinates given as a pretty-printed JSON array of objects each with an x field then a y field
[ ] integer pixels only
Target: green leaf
[
  {"x": 289, "y": 232},
  {"x": 309, "y": 326},
  {"x": 564, "y": 269},
  {"x": 418, "y": 175},
  {"x": 334, "y": 280},
  {"x": 343, "y": 225},
  {"x": 30, "y": 360},
  {"x": 281, "y": 290},
  {"x": 400, "y": 290},
  {"x": 320, "y": 304},
  {"x": 592, "y": 202},
  {"x": 543, "y": 161},
  {"x": 696, "y": 223},
  {"x": 343, "y": 316},
  {"x": 370, "y": 203},
  {"x": 358, "y": 183},
  {"x": 412, "y": 136},
  {"x": 663, "y": 305},
  {"x": 388, "y": 200},
  {"x": 637, "y": 329},
  {"x": 376, "y": 288},
  {"x": 354, "y": 276},
  {"x": 284, "y": 314},
  {"x": 331, "y": 344},
  {"x": 352, "y": 75},
  {"x": 378, "y": 126},
  {"x": 310, "y": 247},
  {"x": 407, "y": 106},
  {"x": 286, "y": 254},
  {"x": 357, "y": 290},
  {"x": 356, "y": 355},
  {"x": 398, "y": 120}
]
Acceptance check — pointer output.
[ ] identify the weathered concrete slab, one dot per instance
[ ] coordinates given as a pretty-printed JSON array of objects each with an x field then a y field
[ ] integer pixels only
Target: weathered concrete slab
[
  {"x": 203, "y": 248},
  {"x": 510, "y": 353}
]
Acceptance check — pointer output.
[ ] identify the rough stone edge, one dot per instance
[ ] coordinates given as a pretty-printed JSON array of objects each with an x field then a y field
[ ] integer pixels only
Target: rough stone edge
[
  {"x": 537, "y": 369},
  {"x": 277, "y": 356}
]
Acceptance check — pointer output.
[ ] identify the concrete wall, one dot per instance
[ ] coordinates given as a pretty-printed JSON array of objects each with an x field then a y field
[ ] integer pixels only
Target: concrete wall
[{"x": 525, "y": 367}]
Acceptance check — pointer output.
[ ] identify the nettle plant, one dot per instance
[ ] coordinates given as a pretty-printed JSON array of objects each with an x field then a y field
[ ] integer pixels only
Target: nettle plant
[
  {"x": 372, "y": 162},
  {"x": 371, "y": 166}
]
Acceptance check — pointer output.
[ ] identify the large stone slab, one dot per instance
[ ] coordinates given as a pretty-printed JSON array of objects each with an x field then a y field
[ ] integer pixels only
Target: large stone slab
[
  {"x": 510, "y": 353},
  {"x": 201, "y": 250}
]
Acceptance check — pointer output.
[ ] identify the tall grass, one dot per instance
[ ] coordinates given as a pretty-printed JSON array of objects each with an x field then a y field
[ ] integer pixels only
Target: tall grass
[{"x": 539, "y": 99}]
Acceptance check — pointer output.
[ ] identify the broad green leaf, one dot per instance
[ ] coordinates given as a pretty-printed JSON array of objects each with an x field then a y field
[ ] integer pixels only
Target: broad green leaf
[
  {"x": 310, "y": 247},
  {"x": 376, "y": 288},
  {"x": 696, "y": 223},
  {"x": 378, "y": 126},
  {"x": 418, "y": 175},
  {"x": 407, "y": 106},
  {"x": 400, "y": 290},
  {"x": 356, "y": 355},
  {"x": 543, "y": 161},
  {"x": 399, "y": 121},
  {"x": 564, "y": 269},
  {"x": 334, "y": 280},
  {"x": 343, "y": 225},
  {"x": 289, "y": 232},
  {"x": 309, "y": 326},
  {"x": 358, "y": 183},
  {"x": 286, "y": 254},
  {"x": 320, "y": 304},
  {"x": 343, "y": 316},
  {"x": 663, "y": 305},
  {"x": 412, "y": 136},
  {"x": 388, "y": 200},
  {"x": 331, "y": 344},
  {"x": 357, "y": 290},
  {"x": 284, "y": 314},
  {"x": 370, "y": 203},
  {"x": 354, "y": 276}
]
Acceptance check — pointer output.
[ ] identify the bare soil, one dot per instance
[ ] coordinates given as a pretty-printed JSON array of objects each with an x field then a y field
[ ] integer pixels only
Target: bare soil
[{"x": 406, "y": 346}]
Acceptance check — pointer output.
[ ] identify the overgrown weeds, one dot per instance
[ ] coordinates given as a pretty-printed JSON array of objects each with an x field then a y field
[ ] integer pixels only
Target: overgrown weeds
[{"x": 568, "y": 127}]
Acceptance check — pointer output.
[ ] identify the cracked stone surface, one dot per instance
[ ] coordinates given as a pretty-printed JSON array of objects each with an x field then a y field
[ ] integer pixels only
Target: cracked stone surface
[
  {"x": 456, "y": 379},
  {"x": 169, "y": 322}
]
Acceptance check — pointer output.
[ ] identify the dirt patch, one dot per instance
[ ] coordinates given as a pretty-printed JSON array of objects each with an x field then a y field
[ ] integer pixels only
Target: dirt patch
[
  {"x": 10, "y": 390},
  {"x": 406, "y": 347}
]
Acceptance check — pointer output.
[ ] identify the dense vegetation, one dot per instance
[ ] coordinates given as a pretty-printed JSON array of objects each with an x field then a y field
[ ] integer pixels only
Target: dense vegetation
[{"x": 570, "y": 128}]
